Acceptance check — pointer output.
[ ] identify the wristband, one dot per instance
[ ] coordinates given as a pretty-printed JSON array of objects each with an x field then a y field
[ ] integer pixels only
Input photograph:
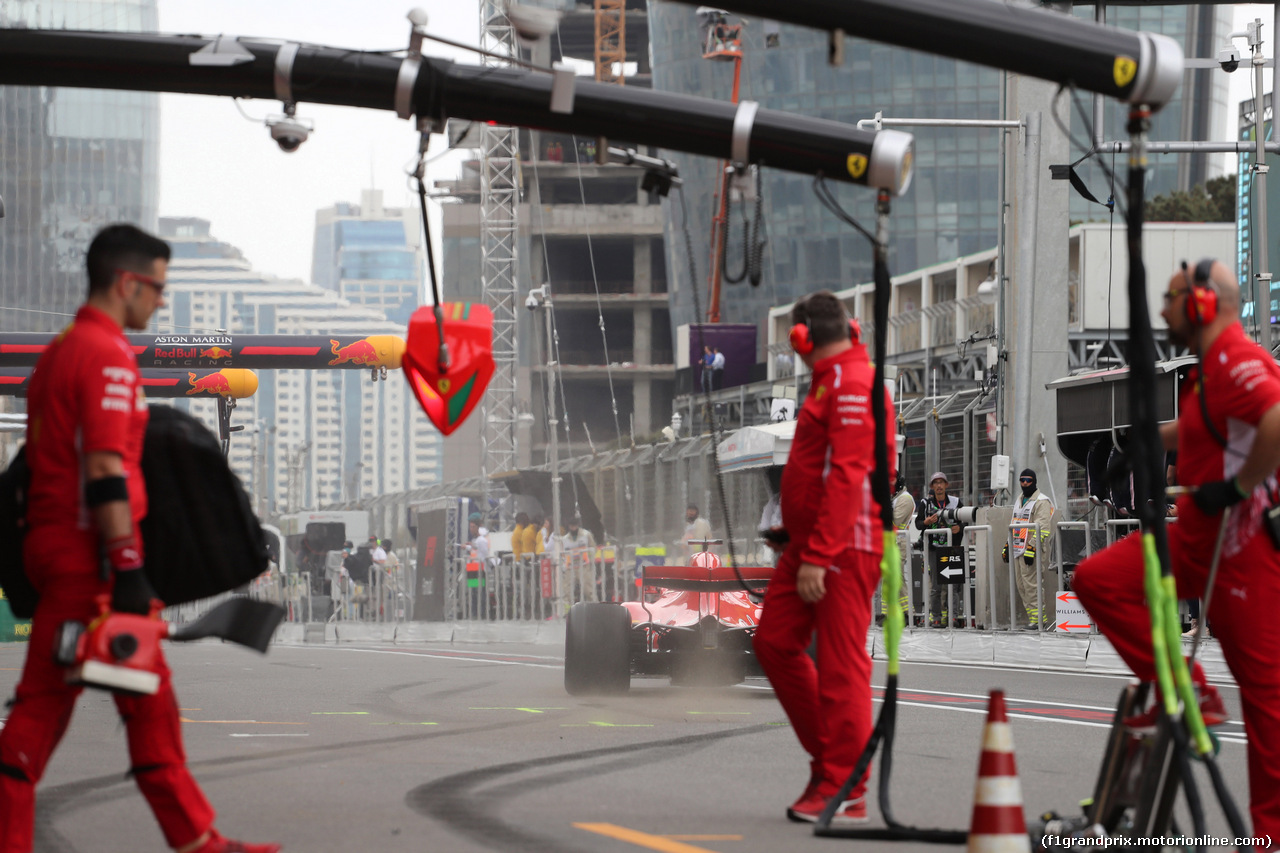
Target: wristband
[
  {"x": 124, "y": 554},
  {"x": 105, "y": 490}
]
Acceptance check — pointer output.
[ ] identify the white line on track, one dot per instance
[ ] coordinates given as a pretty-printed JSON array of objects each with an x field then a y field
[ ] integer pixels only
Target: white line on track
[{"x": 440, "y": 656}]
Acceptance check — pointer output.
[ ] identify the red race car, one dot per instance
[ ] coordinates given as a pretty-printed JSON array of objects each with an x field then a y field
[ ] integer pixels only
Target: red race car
[{"x": 694, "y": 624}]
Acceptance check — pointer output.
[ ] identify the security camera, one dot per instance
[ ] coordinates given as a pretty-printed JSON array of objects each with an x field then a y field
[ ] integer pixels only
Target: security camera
[
  {"x": 1229, "y": 58},
  {"x": 531, "y": 302},
  {"x": 532, "y": 23},
  {"x": 288, "y": 131}
]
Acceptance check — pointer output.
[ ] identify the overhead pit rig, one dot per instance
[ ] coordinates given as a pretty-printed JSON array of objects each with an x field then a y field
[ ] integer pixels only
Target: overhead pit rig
[{"x": 1141, "y": 69}]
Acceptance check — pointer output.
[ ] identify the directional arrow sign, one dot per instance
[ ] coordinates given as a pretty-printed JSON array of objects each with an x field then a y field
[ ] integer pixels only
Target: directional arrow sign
[
  {"x": 1072, "y": 618},
  {"x": 952, "y": 573}
]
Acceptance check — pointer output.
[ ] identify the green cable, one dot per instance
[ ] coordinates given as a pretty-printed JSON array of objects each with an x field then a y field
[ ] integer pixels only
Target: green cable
[
  {"x": 890, "y": 589},
  {"x": 1159, "y": 636},
  {"x": 1173, "y": 676},
  {"x": 1181, "y": 672}
]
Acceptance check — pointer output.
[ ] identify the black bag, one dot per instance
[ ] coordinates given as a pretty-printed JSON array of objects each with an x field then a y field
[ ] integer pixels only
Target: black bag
[
  {"x": 13, "y": 530},
  {"x": 200, "y": 534}
]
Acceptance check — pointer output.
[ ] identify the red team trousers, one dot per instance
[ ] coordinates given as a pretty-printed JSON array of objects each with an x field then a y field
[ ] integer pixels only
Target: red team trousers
[
  {"x": 68, "y": 581},
  {"x": 828, "y": 703},
  {"x": 1243, "y": 613}
]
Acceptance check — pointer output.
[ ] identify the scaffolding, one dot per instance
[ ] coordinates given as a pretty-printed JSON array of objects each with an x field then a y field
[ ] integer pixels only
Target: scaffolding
[{"x": 499, "y": 236}]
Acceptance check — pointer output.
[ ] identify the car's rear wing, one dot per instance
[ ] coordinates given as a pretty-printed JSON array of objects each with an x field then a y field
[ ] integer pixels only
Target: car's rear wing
[{"x": 700, "y": 579}]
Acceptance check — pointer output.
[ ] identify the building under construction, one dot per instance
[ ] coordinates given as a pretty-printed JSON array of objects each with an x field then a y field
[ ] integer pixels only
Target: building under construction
[{"x": 592, "y": 233}]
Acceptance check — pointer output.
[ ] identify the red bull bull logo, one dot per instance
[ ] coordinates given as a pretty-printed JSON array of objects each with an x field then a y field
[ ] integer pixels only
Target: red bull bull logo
[
  {"x": 373, "y": 351},
  {"x": 215, "y": 353},
  {"x": 214, "y": 384},
  {"x": 357, "y": 352}
]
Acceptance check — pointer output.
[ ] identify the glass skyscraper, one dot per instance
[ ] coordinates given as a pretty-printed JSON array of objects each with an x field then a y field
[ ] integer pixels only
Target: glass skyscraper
[
  {"x": 371, "y": 255},
  {"x": 71, "y": 161},
  {"x": 951, "y": 208}
]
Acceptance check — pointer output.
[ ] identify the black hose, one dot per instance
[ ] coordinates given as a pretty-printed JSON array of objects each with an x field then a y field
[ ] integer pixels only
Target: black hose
[
  {"x": 753, "y": 594},
  {"x": 752, "y": 240}
]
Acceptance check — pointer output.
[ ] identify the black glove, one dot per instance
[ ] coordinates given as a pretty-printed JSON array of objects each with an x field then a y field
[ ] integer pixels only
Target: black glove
[
  {"x": 1029, "y": 559},
  {"x": 1213, "y": 498},
  {"x": 1004, "y": 553},
  {"x": 132, "y": 592}
]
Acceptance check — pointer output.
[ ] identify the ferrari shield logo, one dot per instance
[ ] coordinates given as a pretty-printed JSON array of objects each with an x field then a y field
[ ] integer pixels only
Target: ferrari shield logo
[
  {"x": 444, "y": 385},
  {"x": 1124, "y": 70},
  {"x": 857, "y": 165}
]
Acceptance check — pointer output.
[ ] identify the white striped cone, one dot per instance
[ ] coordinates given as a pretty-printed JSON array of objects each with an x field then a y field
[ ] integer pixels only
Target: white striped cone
[{"x": 998, "y": 825}]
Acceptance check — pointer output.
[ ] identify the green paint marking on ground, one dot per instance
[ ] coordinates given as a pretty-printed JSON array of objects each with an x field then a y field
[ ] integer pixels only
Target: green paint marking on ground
[
  {"x": 607, "y": 725},
  {"x": 526, "y": 710},
  {"x": 777, "y": 724},
  {"x": 339, "y": 713},
  {"x": 721, "y": 713}
]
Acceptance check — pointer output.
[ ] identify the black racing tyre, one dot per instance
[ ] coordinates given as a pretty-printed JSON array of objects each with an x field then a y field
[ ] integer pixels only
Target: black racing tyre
[{"x": 597, "y": 649}]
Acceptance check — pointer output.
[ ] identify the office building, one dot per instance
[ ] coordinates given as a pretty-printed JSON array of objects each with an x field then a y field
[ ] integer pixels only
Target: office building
[
  {"x": 371, "y": 255},
  {"x": 71, "y": 161},
  {"x": 312, "y": 437}
]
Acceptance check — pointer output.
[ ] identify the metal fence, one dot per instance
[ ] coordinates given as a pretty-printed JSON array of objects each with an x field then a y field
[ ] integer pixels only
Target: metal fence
[{"x": 543, "y": 587}]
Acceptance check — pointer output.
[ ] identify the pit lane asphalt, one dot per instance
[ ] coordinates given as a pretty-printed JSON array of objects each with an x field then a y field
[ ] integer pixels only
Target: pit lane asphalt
[{"x": 467, "y": 748}]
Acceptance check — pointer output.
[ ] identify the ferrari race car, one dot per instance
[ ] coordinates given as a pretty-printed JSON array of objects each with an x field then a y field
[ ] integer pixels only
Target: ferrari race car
[{"x": 694, "y": 624}]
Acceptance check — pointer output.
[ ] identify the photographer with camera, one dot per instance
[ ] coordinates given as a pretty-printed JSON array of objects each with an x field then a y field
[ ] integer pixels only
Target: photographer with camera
[
  {"x": 935, "y": 513},
  {"x": 1035, "y": 508}
]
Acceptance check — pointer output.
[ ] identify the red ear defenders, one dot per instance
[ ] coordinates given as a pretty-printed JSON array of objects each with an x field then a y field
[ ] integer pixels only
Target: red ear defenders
[
  {"x": 803, "y": 344},
  {"x": 1202, "y": 293}
]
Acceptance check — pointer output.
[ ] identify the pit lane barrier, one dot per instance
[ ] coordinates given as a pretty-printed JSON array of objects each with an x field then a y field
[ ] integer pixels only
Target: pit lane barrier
[{"x": 524, "y": 600}]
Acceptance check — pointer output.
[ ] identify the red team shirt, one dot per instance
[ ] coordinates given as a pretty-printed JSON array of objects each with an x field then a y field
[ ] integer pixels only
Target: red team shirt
[
  {"x": 825, "y": 505},
  {"x": 1241, "y": 382},
  {"x": 84, "y": 396}
]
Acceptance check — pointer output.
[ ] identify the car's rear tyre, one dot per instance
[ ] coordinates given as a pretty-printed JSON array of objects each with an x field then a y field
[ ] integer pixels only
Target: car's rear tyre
[{"x": 597, "y": 649}]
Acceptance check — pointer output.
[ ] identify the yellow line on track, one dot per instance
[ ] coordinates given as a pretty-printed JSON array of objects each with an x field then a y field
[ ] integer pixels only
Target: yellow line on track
[{"x": 641, "y": 839}]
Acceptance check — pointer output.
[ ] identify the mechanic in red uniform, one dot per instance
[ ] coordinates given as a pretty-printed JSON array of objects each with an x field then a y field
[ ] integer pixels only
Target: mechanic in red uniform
[
  {"x": 1232, "y": 459},
  {"x": 86, "y": 417},
  {"x": 828, "y": 572}
]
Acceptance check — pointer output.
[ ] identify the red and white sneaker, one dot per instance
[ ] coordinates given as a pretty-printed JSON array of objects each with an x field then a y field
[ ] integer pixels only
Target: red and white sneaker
[
  {"x": 218, "y": 844},
  {"x": 807, "y": 810}
]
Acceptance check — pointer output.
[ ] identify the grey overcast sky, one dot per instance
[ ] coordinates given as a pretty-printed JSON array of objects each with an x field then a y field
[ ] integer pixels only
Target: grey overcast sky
[
  {"x": 220, "y": 166},
  {"x": 217, "y": 165}
]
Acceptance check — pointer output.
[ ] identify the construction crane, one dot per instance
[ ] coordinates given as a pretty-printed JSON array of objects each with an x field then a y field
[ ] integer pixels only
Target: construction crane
[
  {"x": 721, "y": 43},
  {"x": 611, "y": 41}
]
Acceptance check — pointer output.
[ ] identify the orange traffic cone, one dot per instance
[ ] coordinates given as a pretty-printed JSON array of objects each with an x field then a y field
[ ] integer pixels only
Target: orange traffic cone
[{"x": 998, "y": 825}]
